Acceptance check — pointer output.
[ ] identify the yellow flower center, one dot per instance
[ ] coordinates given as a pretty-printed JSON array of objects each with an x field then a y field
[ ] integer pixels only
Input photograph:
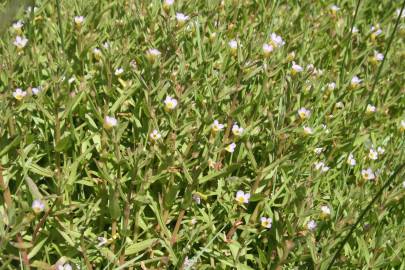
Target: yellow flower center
[{"x": 240, "y": 199}]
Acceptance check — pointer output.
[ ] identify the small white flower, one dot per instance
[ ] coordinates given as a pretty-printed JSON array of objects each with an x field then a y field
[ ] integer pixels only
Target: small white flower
[
  {"x": 20, "y": 42},
  {"x": 380, "y": 150},
  {"x": 167, "y": 4},
  {"x": 106, "y": 45},
  {"x": 378, "y": 56},
  {"x": 376, "y": 30},
  {"x": 17, "y": 26},
  {"x": 325, "y": 211},
  {"x": 267, "y": 49},
  {"x": 367, "y": 174},
  {"x": 318, "y": 150},
  {"x": 170, "y": 103},
  {"x": 79, "y": 20},
  {"x": 119, "y": 71},
  {"x": 197, "y": 198},
  {"x": 66, "y": 266},
  {"x": 19, "y": 94},
  {"x": 402, "y": 125},
  {"x": 97, "y": 53},
  {"x": 101, "y": 241},
  {"x": 351, "y": 161},
  {"x": 153, "y": 54},
  {"x": 304, "y": 113},
  {"x": 38, "y": 206},
  {"x": 339, "y": 105},
  {"x": 216, "y": 126},
  {"x": 181, "y": 18},
  {"x": 320, "y": 166},
  {"x": 296, "y": 68},
  {"x": 276, "y": 40},
  {"x": 231, "y": 147},
  {"x": 371, "y": 109},
  {"x": 71, "y": 80},
  {"x": 233, "y": 45},
  {"x": 355, "y": 30},
  {"x": 155, "y": 135},
  {"x": 311, "y": 225},
  {"x": 403, "y": 184},
  {"x": 110, "y": 122},
  {"x": 308, "y": 130},
  {"x": 242, "y": 197},
  {"x": 36, "y": 90},
  {"x": 334, "y": 8},
  {"x": 373, "y": 154},
  {"x": 355, "y": 81},
  {"x": 236, "y": 130},
  {"x": 266, "y": 222},
  {"x": 331, "y": 86}
]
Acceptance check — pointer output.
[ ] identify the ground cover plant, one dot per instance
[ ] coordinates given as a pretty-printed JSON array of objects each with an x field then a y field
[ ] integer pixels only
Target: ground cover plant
[{"x": 202, "y": 134}]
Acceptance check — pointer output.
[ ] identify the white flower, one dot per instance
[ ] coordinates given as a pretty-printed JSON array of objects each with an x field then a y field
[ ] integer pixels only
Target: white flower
[
  {"x": 97, "y": 53},
  {"x": 331, "y": 86},
  {"x": 153, "y": 54},
  {"x": 106, "y": 45},
  {"x": 66, "y": 266},
  {"x": 266, "y": 222},
  {"x": 378, "y": 56},
  {"x": 236, "y": 130},
  {"x": 242, "y": 197},
  {"x": 170, "y": 103},
  {"x": 19, "y": 94},
  {"x": 304, "y": 113},
  {"x": 320, "y": 166},
  {"x": 79, "y": 20},
  {"x": 296, "y": 68},
  {"x": 373, "y": 154},
  {"x": 110, "y": 122},
  {"x": 119, "y": 71},
  {"x": 376, "y": 30},
  {"x": 231, "y": 147},
  {"x": 334, "y": 8},
  {"x": 325, "y": 211},
  {"x": 380, "y": 150},
  {"x": 36, "y": 90},
  {"x": 351, "y": 161},
  {"x": 38, "y": 206},
  {"x": 71, "y": 80},
  {"x": 276, "y": 40},
  {"x": 355, "y": 30},
  {"x": 216, "y": 126},
  {"x": 402, "y": 125},
  {"x": 267, "y": 49},
  {"x": 367, "y": 174},
  {"x": 311, "y": 225},
  {"x": 20, "y": 42},
  {"x": 17, "y": 26},
  {"x": 233, "y": 45},
  {"x": 101, "y": 241},
  {"x": 155, "y": 135},
  {"x": 318, "y": 150},
  {"x": 339, "y": 105},
  {"x": 167, "y": 4},
  {"x": 308, "y": 130},
  {"x": 355, "y": 81},
  {"x": 181, "y": 18},
  {"x": 197, "y": 198},
  {"x": 371, "y": 109}
]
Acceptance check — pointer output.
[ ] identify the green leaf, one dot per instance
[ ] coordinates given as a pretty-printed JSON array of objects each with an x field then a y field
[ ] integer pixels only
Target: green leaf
[{"x": 140, "y": 246}]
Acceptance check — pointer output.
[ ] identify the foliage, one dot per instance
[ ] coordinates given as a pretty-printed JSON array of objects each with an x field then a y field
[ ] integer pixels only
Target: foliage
[{"x": 119, "y": 195}]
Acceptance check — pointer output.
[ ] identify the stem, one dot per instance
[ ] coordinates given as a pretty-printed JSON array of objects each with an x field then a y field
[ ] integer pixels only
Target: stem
[{"x": 177, "y": 227}]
